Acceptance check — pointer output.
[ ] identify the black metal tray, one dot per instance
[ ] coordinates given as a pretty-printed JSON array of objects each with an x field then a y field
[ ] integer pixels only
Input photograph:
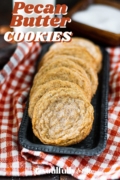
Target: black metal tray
[{"x": 95, "y": 143}]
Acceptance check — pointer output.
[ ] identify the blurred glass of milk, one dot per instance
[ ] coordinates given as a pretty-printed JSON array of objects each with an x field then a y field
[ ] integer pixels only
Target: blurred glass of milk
[{"x": 21, "y": 12}]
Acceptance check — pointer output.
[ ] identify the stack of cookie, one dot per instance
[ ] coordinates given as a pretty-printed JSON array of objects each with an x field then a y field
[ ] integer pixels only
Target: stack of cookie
[{"x": 60, "y": 98}]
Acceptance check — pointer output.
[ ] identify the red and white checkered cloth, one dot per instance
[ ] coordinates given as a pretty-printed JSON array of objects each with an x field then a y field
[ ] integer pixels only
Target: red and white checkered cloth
[{"x": 15, "y": 81}]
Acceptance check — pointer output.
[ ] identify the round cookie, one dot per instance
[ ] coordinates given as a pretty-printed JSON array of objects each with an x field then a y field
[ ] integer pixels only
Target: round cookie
[
  {"x": 92, "y": 75},
  {"x": 75, "y": 51},
  {"x": 64, "y": 74},
  {"x": 93, "y": 49},
  {"x": 62, "y": 117},
  {"x": 42, "y": 89},
  {"x": 61, "y": 61},
  {"x": 66, "y": 61}
]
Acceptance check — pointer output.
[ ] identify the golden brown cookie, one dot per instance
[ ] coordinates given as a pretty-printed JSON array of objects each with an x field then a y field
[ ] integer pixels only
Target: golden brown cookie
[
  {"x": 62, "y": 117},
  {"x": 42, "y": 89},
  {"x": 64, "y": 60},
  {"x": 93, "y": 49},
  {"x": 89, "y": 45},
  {"x": 75, "y": 51},
  {"x": 92, "y": 75},
  {"x": 64, "y": 74},
  {"x": 61, "y": 61}
]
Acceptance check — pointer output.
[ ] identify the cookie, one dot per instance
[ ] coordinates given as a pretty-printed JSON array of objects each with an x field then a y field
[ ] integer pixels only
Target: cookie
[
  {"x": 62, "y": 117},
  {"x": 59, "y": 61},
  {"x": 42, "y": 89},
  {"x": 89, "y": 45},
  {"x": 63, "y": 60},
  {"x": 91, "y": 73},
  {"x": 64, "y": 74},
  {"x": 75, "y": 51},
  {"x": 93, "y": 49}
]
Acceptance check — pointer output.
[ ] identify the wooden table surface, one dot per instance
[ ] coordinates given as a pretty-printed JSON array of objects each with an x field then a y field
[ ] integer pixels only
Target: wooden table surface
[{"x": 43, "y": 177}]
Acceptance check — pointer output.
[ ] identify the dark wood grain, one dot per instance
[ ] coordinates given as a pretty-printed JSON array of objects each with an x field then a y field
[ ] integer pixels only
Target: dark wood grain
[
  {"x": 6, "y": 51},
  {"x": 115, "y": 4},
  {"x": 44, "y": 177},
  {"x": 100, "y": 36},
  {"x": 67, "y": 177}
]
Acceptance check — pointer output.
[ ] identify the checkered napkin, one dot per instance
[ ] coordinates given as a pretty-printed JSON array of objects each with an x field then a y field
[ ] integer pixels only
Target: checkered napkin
[{"x": 16, "y": 161}]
